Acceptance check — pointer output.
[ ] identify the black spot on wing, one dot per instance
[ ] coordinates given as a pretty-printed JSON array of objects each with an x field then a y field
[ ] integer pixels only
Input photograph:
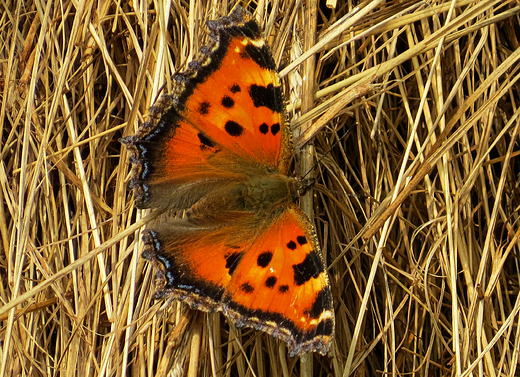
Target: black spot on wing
[
  {"x": 283, "y": 288},
  {"x": 264, "y": 259},
  {"x": 260, "y": 55},
  {"x": 233, "y": 128},
  {"x": 302, "y": 240},
  {"x": 270, "y": 282},
  {"x": 264, "y": 128},
  {"x": 228, "y": 102},
  {"x": 275, "y": 128},
  {"x": 204, "y": 108},
  {"x": 247, "y": 288},
  {"x": 235, "y": 88},
  {"x": 232, "y": 261},
  {"x": 291, "y": 245},
  {"x": 268, "y": 96},
  {"x": 205, "y": 142},
  {"x": 311, "y": 267},
  {"x": 323, "y": 302}
]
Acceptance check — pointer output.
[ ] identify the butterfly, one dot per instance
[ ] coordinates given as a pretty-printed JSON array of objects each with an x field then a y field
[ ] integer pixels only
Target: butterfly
[{"x": 218, "y": 150}]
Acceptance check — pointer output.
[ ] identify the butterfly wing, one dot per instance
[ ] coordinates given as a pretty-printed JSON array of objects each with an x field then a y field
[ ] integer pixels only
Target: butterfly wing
[
  {"x": 280, "y": 286},
  {"x": 271, "y": 278},
  {"x": 233, "y": 93},
  {"x": 174, "y": 164},
  {"x": 225, "y": 119}
]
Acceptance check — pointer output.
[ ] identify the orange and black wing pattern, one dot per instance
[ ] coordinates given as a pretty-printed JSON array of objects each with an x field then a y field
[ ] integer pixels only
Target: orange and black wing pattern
[{"x": 219, "y": 149}]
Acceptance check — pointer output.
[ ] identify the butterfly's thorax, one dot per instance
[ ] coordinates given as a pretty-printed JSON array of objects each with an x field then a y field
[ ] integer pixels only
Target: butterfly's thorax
[{"x": 265, "y": 193}]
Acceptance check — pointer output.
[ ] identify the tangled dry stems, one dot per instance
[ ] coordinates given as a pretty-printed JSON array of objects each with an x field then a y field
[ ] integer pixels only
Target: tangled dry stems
[{"x": 410, "y": 110}]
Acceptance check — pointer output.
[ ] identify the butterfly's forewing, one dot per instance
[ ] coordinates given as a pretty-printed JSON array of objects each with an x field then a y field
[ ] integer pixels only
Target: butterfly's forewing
[
  {"x": 233, "y": 94},
  {"x": 225, "y": 118}
]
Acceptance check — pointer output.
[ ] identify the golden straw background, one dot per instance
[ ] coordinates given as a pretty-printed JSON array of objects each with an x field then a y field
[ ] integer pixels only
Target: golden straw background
[{"x": 409, "y": 109}]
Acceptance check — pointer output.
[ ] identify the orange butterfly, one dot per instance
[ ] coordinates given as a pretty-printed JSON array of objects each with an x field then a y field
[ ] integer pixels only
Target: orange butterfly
[{"x": 219, "y": 149}]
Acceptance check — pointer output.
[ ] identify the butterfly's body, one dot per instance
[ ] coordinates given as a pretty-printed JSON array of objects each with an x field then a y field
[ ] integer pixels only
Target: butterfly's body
[
  {"x": 260, "y": 193},
  {"x": 219, "y": 149}
]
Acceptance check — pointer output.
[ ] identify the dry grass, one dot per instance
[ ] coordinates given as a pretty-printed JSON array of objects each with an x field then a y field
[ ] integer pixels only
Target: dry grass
[{"x": 416, "y": 204}]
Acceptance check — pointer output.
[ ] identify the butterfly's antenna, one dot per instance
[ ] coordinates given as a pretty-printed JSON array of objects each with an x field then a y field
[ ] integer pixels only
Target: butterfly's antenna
[
  {"x": 307, "y": 183},
  {"x": 325, "y": 154}
]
